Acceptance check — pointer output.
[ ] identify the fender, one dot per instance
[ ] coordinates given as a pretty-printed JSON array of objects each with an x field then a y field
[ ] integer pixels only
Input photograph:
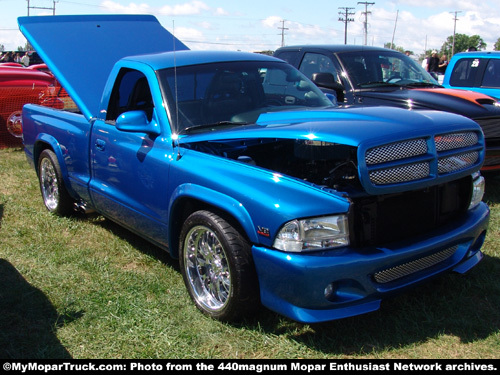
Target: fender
[
  {"x": 213, "y": 198},
  {"x": 52, "y": 143}
]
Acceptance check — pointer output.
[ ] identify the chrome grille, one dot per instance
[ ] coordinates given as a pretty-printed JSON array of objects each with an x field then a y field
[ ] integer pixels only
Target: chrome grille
[
  {"x": 395, "y": 273},
  {"x": 457, "y": 162},
  {"x": 456, "y": 140},
  {"x": 396, "y": 151},
  {"x": 419, "y": 159},
  {"x": 406, "y": 173}
]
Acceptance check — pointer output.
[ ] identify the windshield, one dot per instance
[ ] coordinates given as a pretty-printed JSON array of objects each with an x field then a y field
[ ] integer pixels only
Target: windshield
[
  {"x": 368, "y": 69},
  {"x": 234, "y": 93}
]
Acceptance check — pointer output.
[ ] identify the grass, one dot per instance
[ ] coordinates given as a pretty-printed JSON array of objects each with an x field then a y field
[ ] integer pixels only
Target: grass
[{"x": 85, "y": 288}]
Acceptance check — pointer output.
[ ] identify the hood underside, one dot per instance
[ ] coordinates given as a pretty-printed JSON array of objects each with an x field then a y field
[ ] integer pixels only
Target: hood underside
[{"x": 82, "y": 50}]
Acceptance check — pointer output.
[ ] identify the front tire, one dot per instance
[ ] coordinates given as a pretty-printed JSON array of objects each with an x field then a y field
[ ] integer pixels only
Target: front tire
[
  {"x": 54, "y": 193},
  {"x": 217, "y": 267}
]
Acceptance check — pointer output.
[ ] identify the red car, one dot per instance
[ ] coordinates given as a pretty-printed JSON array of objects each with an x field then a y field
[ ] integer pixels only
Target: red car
[{"x": 19, "y": 86}]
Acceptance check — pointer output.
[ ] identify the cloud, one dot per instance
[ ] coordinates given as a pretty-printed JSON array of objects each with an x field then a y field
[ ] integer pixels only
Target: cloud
[
  {"x": 272, "y": 22},
  {"x": 187, "y": 9},
  {"x": 220, "y": 12},
  {"x": 132, "y": 8},
  {"x": 185, "y": 33},
  {"x": 13, "y": 39},
  {"x": 297, "y": 32}
]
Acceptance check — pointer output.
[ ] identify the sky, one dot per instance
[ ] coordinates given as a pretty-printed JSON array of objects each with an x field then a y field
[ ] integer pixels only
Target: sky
[{"x": 258, "y": 25}]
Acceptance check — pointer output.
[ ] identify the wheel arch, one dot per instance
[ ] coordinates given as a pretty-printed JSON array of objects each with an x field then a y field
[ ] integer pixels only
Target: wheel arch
[
  {"x": 44, "y": 142},
  {"x": 189, "y": 198}
]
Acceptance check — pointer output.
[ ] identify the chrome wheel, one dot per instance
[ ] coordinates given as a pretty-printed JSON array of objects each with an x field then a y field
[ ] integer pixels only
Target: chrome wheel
[
  {"x": 54, "y": 194},
  {"x": 207, "y": 268},
  {"x": 49, "y": 184},
  {"x": 217, "y": 266}
]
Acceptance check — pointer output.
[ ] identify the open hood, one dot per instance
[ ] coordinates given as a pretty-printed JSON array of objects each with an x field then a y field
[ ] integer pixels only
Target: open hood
[
  {"x": 354, "y": 126},
  {"x": 384, "y": 150},
  {"x": 82, "y": 50}
]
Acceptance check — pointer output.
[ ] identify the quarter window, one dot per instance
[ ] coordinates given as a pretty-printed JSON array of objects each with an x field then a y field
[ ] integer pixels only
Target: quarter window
[{"x": 491, "y": 76}]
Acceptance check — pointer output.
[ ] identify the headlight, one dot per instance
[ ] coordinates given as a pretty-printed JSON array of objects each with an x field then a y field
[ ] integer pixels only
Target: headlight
[
  {"x": 477, "y": 190},
  {"x": 313, "y": 234}
]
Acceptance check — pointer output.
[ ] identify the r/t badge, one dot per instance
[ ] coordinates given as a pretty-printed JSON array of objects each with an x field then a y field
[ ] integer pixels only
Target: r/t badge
[{"x": 263, "y": 231}]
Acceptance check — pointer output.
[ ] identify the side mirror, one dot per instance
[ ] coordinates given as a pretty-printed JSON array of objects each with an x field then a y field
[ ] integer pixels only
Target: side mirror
[{"x": 136, "y": 122}]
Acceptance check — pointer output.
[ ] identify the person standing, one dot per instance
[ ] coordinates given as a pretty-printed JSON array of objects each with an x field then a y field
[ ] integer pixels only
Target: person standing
[
  {"x": 425, "y": 62},
  {"x": 7, "y": 57},
  {"x": 433, "y": 65},
  {"x": 443, "y": 63},
  {"x": 25, "y": 60}
]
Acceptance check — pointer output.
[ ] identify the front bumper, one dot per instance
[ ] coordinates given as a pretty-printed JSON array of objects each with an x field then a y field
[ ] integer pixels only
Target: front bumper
[
  {"x": 335, "y": 284},
  {"x": 492, "y": 156}
]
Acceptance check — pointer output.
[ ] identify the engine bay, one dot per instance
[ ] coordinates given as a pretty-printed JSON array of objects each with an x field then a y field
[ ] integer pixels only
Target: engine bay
[{"x": 325, "y": 164}]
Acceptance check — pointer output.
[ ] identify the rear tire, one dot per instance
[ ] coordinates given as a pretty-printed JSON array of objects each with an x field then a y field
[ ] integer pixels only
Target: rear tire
[
  {"x": 217, "y": 267},
  {"x": 54, "y": 193}
]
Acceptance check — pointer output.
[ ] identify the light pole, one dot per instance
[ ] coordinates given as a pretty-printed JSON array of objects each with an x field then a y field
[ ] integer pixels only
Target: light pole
[{"x": 454, "y": 30}]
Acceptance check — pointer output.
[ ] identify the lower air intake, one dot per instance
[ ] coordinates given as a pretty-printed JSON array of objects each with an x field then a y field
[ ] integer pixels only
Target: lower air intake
[{"x": 398, "y": 272}]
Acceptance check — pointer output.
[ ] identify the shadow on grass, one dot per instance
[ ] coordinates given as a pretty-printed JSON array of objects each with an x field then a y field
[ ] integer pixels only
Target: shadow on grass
[
  {"x": 28, "y": 321},
  {"x": 492, "y": 187},
  {"x": 465, "y": 307},
  {"x": 136, "y": 241}
]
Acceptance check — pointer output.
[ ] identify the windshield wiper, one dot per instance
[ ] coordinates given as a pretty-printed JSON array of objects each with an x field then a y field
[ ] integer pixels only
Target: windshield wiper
[
  {"x": 212, "y": 125},
  {"x": 378, "y": 83},
  {"x": 422, "y": 84}
]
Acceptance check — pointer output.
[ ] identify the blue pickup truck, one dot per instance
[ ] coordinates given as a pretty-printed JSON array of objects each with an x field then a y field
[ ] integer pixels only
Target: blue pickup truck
[
  {"x": 237, "y": 165},
  {"x": 476, "y": 71}
]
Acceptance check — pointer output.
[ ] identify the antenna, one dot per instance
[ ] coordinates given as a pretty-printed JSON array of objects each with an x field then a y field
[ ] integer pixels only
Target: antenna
[
  {"x": 176, "y": 137},
  {"x": 175, "y": 77}
]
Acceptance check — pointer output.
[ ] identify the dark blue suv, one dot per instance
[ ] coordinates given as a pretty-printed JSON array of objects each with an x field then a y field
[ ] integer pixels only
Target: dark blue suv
[{"x": 373, "y": 76}]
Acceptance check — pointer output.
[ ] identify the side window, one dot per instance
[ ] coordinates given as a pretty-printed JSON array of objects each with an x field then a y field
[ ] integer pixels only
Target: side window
[
  {"x": 465, "y": 71},
  {"x": 491, "y": 76},
  {"x": 317, "y": 63},
  {"x": 130, "y": 93}
]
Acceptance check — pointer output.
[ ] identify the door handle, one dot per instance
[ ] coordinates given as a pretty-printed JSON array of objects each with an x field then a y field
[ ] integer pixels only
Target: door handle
[{"x": 100, "y": 144}]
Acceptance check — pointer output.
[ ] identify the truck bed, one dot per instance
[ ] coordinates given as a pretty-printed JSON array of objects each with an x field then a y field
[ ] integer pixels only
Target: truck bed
[{"x": 69, "y": 137}]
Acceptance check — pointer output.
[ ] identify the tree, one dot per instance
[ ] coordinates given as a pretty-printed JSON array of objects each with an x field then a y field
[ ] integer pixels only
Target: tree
[
  {"x": 496, "y": 46},
  {"x": 462, "y": 43},
  {"x": 397, "y": 48},
  {"x": 26, "y": 47}
]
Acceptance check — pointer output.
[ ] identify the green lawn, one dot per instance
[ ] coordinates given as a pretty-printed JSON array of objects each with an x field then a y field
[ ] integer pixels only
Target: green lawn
[{"x": 85, "y": 288}]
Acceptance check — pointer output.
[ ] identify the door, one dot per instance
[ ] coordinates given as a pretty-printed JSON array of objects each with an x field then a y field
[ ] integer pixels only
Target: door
[{"x": 130, "y": 169}]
